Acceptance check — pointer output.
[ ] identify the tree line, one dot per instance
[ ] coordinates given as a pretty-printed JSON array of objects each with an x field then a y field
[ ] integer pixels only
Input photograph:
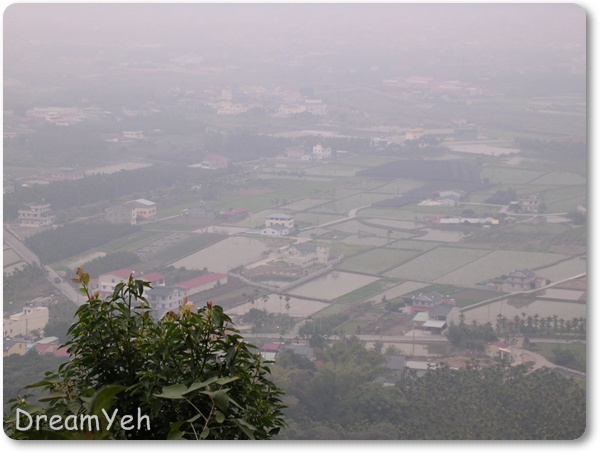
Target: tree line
[{"x": 340, "y": 397}]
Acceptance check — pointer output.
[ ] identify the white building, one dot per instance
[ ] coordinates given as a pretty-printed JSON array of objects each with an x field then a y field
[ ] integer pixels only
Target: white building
[
  {"x": 320, "y": 153},
  {"x": 36, "y": 215},
  {"x": 285, "y": 220},
  {"x": 275, "y": 230}
]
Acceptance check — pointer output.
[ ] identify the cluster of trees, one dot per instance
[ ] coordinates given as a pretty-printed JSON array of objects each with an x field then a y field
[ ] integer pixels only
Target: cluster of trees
[
  {"x": 17, "y": 282},
  {"x": 111, "y": 261},
  {"x": 502, "y": 197},
  {"x": 341, "y": 399},
  {"x": 555, "y": 150},
  {"x": 72, "y": 239},
  {"x": 471, "y": 337},
  {"x": 190, "y": 373},
  {"x": 532, "y": 325},
  {"x": 268, "y": 322}
]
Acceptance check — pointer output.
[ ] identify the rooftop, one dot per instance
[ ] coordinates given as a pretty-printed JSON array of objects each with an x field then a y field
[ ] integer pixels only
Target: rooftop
[{"x": 201, "y": 280}]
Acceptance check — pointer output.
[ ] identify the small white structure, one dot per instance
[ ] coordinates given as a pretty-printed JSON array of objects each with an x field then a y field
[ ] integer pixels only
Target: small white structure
[{"x": 275, "y": 230}]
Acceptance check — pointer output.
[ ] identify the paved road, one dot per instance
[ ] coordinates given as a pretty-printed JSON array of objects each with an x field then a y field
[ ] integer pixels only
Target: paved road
[{"x": 63, "y": 286}]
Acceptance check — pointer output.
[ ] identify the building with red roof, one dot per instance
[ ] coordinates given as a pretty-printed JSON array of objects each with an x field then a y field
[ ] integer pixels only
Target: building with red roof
[{"x": 202, "y": 283}]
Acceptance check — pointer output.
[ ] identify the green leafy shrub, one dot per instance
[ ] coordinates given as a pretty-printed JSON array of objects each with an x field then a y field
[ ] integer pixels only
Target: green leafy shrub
[{"x": 190, "y": 372}]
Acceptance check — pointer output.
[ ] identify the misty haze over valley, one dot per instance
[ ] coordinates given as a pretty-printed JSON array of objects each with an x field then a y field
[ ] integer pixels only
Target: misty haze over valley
[{"x": 369, "y": 191}]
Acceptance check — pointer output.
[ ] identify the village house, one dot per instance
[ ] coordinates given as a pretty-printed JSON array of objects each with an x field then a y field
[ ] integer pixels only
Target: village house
[
  {"x": 108, "y": 281},
  {"x": 275, "y": 230},
  {"x": 304, "y": 255},
  {"x": 320, "y": 153},
  {"x": 530, "y": 203},
  {"x": 164, "y": 299},
  {"x": 15, "y": 346},
  {"x": 132, "y": 212},
  {"x": 25, "y": 322},
  {"x": 427, "y": 300},
  {"x": 523, "y": 279},
  {"x": 202, "y": 283},
  {"x": 212, "y": 162},
  {"x": 294, "y": 152},
  {"x": 36, "y": 216},
  {"x": 285, "y": 220}
]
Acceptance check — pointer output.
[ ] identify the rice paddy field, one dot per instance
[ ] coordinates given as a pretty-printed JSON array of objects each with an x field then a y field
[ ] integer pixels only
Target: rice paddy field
[
  {"x": 494, "y": 264},
  {"x": 436, "y": 263}
]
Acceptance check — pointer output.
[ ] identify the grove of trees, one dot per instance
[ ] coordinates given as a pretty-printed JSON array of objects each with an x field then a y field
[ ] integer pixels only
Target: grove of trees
[{"x": 340, "y": 397}]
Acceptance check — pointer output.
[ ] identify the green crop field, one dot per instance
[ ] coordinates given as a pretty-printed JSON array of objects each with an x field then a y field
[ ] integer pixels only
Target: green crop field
[
  {"x": 564, "y": 178},
  {"x": 436, "y": 263},
  {"x": 497, "y": 264},
  {"x": 377, "y": 260},
  {"x": 510, "y": 175}
]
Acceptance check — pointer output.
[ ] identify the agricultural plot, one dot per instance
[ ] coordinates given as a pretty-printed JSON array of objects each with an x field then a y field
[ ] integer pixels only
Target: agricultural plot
[
  {"x": 542, "y": 308},
  {"x": 335, "y": 170},
  {"x": 298, "y": 307},
  {"x": 184, "y": 247},
  {"x": 393, "y": 223},
  {"x": 436, "y": 263},
  {"x": 303, "y": 204},
  {"x": 445, "y": 236},
  {"x": 496, "y": 263},
  {"x": 358, "y": 228},
  {"x": 332, "y": 285},
  {"x": 315, "y": 219},
  {"x": 366, "y": 161},
  {"x": 509, "y": 175},
  {"x": 563, "y": 178},
  {"x": 10, "y": 257},
  {"x": 377, "y": 260},
  {"x": 419, "y": 245},
  {"x": 134, "y": 242},
  {"x": 358, "y": 200},
  {"x": 365, "y": 241},
  {"x": 391, "y": 213},
  {"x": 564, "y": 270},
  {"x": 400, "y": 290},
  {"x": 224, "y": 255},
  {"x": 399, "y": 186}
]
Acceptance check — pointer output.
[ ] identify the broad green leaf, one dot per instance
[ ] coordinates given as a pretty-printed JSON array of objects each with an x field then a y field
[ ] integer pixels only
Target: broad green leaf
[
  {"x": 176, "y": 391},
  {"x": 103, "y": 398}
]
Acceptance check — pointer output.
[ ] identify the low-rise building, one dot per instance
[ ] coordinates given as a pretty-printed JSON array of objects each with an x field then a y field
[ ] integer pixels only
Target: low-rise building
[
  {"x": 36, "y": 216},
  {"x": 523, "y": 279},
  {"x": 131, "y": 212},
  {"x": 285, "y": 220},
  {"x": 163, "y": 299},
  {"x": 530, "y": 203},
  {"x": 108, "y": 281},
  {"x": 202, "y": 283},
  {"x": 25, "y": 322},
  {"x": 305, "y": 255},
  {"x": 275, "y": 230}
]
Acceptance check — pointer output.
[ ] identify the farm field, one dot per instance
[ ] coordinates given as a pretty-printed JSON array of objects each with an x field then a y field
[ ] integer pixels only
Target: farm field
[
  {"x": 564, "y": 178},
  {"x": 347, "y": 204},
  {"x": 377, "y": 260},
  {"x": 495, "y": 264},
  {"x": 436, "y": 263},
  {"x": 299, "y": 307},
  {"x": 564, "y": 270},
  {"x": 224, "y": 255},
  {"x": 365, "y": 241},
  {"x": 510, "y": 175},
  {"x": 332, "y": 285}
]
